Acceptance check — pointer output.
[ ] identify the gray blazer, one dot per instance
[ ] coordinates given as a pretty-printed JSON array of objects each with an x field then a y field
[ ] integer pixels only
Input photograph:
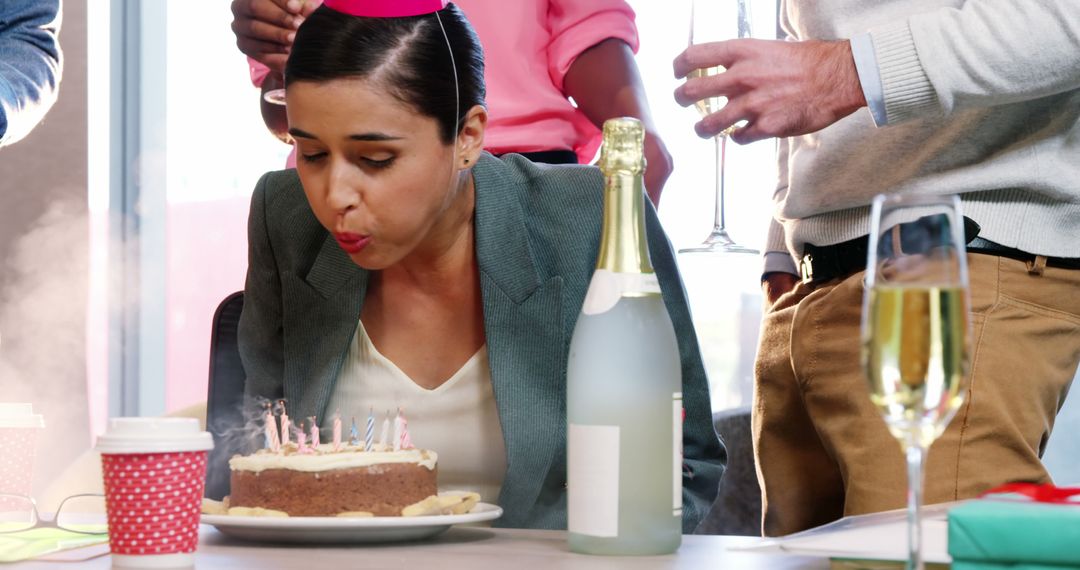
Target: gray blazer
[{"x": 537, "y": 238}]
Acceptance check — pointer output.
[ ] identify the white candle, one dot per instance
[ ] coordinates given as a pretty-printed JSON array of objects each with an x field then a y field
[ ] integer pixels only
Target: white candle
[{"x": 385, "y": 435}]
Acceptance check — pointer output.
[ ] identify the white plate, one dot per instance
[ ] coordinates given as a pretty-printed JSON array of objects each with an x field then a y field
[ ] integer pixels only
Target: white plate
[{"x": 340, "y": 529}]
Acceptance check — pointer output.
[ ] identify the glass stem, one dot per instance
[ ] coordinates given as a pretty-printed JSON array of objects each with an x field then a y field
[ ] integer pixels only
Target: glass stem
[
  {"x": 916, "y": 455},
  {"x": 721, "y": 150}
]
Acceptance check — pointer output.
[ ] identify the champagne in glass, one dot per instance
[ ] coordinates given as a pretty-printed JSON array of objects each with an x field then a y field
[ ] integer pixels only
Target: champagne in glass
[
  {"x": 710, "y": 105},
  {"x": 711, "y": 21},
  {"x": 915, "y": 328},
  {"x": 916, "y": 357}
]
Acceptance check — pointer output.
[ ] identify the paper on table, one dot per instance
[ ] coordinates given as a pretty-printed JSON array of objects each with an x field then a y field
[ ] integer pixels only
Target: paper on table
[
  {"x": 41, "y": 541},
  {"x": 878, "y": 536}
]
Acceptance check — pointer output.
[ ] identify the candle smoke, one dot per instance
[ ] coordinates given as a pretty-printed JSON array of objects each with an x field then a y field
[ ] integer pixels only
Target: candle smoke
[
  {"x": 235, "y": 434},
  {"x": 43, "y": 300}
]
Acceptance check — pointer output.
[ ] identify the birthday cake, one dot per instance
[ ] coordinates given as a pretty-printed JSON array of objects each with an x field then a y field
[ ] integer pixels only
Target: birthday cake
[
  {"x": 293, "y": 475},
  {"x": 348, "y": 481}
]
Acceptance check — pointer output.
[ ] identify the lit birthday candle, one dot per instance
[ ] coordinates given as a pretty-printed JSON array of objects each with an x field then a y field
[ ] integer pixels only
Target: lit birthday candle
[
  {"x": 270, "y": 430},
  {"x": 314, "y": 432},
  {"x": 301, "y": 442},
  {"x": 354, "y": 434},
  {"x": 398, "y": 430},
  {"x": 405, "y": 442},
  {"x": 285, "y": 424},
  {"x": 384, "y": 437},
  {"x": 337, "y": 431}
]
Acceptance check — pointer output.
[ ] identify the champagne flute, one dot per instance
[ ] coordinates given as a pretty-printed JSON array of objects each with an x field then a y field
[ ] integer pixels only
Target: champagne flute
[
  {"x": 915, "y": 328},
  {"x": 711, "y": 21},
  {"x": 275, "y": 96}
]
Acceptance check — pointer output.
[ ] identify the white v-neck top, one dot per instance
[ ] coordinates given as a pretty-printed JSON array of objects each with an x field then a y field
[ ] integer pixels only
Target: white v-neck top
[{"x": 458, "y": 420}]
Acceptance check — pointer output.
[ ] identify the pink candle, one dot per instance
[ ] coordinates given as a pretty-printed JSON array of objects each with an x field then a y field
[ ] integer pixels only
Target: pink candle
[
  {"x": 314, "y": 432},
  {"x": 284, "y": 423},
  {"x": 301, "y": 440},
  {"x": 337, "y": 432},
  {"x": 399, "y": 432},
  {"x": 406, "y": 442}
]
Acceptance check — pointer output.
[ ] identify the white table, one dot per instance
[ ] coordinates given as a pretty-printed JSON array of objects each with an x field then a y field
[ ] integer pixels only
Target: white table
[{"x": 470, "y": 548}]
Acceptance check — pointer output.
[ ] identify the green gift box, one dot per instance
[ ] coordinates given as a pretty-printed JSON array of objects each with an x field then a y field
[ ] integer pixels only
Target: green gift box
[
  {"x": 1025, "y": 527},
  {"x": 966, "y": 565}
]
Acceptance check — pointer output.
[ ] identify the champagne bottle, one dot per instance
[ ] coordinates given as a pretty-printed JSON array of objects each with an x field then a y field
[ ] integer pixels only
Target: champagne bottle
[{"x": 624, "y": 381}]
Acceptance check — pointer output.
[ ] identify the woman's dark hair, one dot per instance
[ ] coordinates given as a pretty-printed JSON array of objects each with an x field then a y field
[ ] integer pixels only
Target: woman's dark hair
[{"x": 407, "y": 56}]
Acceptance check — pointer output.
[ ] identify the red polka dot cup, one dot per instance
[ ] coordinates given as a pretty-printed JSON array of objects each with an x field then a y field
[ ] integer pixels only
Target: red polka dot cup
[
  {"x": 19, "y": 429},
  {"x": 154, "y": 470}
]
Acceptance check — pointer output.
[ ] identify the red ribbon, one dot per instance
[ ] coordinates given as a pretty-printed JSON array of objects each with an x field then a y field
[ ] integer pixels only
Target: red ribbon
[{"x": 1044, "y": 493}]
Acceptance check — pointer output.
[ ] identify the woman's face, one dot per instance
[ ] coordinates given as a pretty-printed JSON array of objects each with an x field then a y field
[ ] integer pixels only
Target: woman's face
[{"x": 374, "y": 169}]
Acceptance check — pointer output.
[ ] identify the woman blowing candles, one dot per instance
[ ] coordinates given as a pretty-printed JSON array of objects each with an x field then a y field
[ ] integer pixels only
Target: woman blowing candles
[
  {"x": 542, "y": 54},
  {"x": 401, "y": 266}
]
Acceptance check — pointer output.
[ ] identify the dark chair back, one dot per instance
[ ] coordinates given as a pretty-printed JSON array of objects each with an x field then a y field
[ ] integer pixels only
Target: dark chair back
[
  {"x": 737, "y": 509},
  {"x": 225, "y": 394}
]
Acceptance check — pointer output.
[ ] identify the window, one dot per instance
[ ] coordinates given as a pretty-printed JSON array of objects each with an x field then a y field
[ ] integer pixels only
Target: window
[
  {"x": 725, "y": 293},
  {"x": 213, "y": 147}
]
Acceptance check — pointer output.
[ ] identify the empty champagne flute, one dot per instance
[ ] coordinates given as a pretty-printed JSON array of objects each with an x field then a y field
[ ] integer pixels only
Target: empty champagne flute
[
  {"x": 712, "y": 21},
  {"x": 915, "y": 328}
]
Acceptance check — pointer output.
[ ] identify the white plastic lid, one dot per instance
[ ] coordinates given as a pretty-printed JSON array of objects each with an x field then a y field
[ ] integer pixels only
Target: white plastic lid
[
  {"x": 19, "y": 416},
  {"x": 153, "y": 435}
]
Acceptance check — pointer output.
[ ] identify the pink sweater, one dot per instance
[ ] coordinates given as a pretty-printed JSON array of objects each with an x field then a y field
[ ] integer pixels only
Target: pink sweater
[{"x": 529, "y": 45}]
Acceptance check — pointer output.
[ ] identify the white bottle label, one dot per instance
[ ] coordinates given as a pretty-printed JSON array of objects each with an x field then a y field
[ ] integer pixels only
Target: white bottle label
[
  {"x": 607, "y": 287},
  {"x": 676, "y": 445},
  {"x": 593, "y": 476}
]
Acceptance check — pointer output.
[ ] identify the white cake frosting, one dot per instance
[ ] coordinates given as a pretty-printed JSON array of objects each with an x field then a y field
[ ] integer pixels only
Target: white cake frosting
[{"x": 326, "y": 459}]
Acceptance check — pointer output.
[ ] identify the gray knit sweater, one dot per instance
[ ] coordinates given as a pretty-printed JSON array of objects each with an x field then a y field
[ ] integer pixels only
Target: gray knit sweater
[{"x": 982, "y": 99}]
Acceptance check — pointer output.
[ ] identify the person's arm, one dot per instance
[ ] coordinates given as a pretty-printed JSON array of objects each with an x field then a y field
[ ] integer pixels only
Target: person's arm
[
  {"x": 779, "y": 88},
  {"x": 704, "y": 455},
  {"x": 779, "y": 274},
  {"x": 30, "y": 64},
  {"x": 591, "y": 59},
  {"x": 265, "y": 29},
  {"x": 605, "y": 83},
  {"x": 984, "y": 53},
  {"x": 260, "y": 333}
]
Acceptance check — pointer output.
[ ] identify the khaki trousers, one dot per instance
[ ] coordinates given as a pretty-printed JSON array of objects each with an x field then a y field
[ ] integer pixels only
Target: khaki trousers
[{"x": 822, "y": 448}]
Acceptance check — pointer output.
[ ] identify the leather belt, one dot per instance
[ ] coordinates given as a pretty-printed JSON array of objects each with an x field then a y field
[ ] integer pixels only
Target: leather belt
[
  {"x": 825, "y": 263},
  {"x": 987, "y": 247}
]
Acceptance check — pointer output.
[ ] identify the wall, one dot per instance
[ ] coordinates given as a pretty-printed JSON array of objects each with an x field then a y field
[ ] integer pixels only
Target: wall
[{"x": 43, "y": 262}]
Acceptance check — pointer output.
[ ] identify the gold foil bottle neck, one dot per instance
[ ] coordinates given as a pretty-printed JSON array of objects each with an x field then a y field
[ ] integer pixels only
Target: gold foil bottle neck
[
  {"x": 624, "y": 146},
  {"x": 623, "y": 243}
]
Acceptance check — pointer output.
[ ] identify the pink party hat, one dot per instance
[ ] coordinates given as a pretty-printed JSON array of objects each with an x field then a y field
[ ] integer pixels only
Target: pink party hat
[{"x": 386, "y": 8}]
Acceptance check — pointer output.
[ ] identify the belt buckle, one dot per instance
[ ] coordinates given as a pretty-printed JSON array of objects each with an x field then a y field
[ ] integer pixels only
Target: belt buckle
[{"x": 806, "y": 268}]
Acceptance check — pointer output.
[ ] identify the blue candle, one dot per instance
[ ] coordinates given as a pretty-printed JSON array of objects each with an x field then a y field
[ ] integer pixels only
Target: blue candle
[
  {"x": 369, "y": 431},
  {"x": 354, "y": 434}
]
